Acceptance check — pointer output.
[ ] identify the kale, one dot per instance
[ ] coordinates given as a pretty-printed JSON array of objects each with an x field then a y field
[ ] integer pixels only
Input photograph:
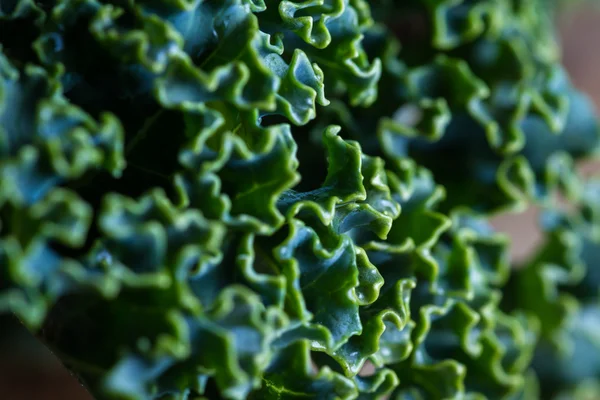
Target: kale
[{"x": 267, "y": 199}]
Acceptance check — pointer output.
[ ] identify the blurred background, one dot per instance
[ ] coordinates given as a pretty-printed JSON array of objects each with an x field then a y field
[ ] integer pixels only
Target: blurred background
[
  {"x": 28, "y": 371},
  {"x": 579, "y": 32}
]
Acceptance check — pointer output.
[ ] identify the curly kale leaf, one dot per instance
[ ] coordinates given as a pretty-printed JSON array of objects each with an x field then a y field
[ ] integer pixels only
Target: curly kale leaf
[{"x": 266, "y": 199}]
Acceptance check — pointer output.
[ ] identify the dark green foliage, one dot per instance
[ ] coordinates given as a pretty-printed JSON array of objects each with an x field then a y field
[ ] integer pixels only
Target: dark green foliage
[{"x": 254, "y": 199}]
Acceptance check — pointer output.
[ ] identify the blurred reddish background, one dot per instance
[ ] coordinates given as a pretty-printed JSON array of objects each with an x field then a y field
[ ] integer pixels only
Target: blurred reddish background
[
  {"x": 28, "y": 371},
  {"x": 579, "y": 34}
]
